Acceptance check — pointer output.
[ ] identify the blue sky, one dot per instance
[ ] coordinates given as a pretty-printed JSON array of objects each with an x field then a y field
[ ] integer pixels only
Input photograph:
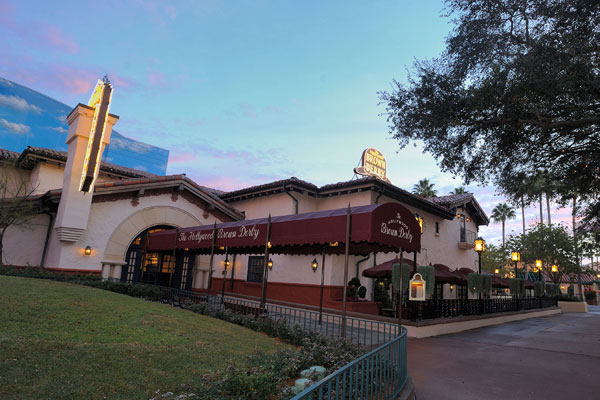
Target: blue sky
[{"x": 240, "y": 92}]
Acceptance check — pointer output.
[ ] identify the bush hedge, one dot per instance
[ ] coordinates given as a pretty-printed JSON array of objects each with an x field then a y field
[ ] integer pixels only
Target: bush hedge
[
  {"x": 428, "y": 274},
  {"x": 517, "y": 287}
]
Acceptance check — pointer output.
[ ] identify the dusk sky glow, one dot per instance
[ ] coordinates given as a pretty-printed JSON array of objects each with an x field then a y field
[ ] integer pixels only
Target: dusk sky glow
[{"x": 242, "y": 92}]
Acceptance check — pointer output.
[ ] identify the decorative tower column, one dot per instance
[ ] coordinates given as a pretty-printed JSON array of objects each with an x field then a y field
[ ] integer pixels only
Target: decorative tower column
[{"x": 90, "y": 127}]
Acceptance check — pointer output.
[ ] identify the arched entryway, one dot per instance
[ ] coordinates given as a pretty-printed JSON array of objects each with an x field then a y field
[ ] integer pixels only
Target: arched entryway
[{"x": 157, "y": 268}]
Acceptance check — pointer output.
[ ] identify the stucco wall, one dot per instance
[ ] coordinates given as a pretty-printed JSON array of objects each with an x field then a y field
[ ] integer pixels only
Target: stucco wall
[
  {"x": 23, "y": 245},
  {"x": 113, "y": 225},
  {"x": 46, "y": 177}
]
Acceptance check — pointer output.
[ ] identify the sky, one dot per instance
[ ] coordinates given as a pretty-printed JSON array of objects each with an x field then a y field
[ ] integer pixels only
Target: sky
[{"x": 243, "y": 92}]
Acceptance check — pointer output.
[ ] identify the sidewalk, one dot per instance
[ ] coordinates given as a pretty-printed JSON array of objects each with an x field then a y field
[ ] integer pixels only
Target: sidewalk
[{"x": 548, "y": 358}]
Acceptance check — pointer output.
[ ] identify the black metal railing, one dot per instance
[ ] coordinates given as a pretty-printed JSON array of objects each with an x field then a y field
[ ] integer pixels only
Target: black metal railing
[
  {"x": 367, "y": 332},
  {"x": 431, "y": 309},
  {"x": 467, "y": 236}
]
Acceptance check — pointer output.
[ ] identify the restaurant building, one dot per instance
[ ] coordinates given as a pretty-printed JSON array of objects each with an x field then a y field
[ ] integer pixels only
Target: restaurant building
[{"x": 98, "y": 217}]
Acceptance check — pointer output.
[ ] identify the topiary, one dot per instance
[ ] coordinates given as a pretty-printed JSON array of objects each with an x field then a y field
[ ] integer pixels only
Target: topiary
[
  {"x": 538, "y": 289},
  {"x": 517, "y": 287},
  {"x": 486, "y": 284},
  {"x": 428, "y": 274},
  {"x": 362, "y": 292},
  {"x": 353, "y": 286},
  {"x": 475, "y": 282}
]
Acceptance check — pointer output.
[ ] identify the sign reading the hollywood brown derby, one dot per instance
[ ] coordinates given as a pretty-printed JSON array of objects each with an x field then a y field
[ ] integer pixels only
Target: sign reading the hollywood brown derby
[{"x": 372, "y": 164}]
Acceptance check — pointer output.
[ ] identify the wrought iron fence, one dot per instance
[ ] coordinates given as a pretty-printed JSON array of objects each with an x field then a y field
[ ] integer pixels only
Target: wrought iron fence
[
  {"x": 430, "y": 309},
  {"x": 379, "y": 374},
  {"x": 366, "y": 332}
]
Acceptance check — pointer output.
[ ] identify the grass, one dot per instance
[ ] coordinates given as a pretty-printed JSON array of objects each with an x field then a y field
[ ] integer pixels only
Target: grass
[{"x": 65, "y": 341}]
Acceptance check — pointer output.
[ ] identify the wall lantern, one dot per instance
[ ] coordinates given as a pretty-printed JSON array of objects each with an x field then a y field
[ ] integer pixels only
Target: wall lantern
[
  {"x": 417, "y": 288},
  {"x": 515, "y": 256},
  {"x": 87, "y": 251},
  {"x": 382, "y": 284},
  {"x": 420, "y": 221},
  {"x": 468, "y": 219},
  {"x": 270, "y": 264},
  {"x": 479, "y": 245},
  {"x": 451, "y": 288},
  {"x": 496, "y": 271},
  {"x": 314, "y": 265},
  {"x": 334, "y": 244},
  {"x": 226, "y": 263},
  {"x": 554, "y": 268}
]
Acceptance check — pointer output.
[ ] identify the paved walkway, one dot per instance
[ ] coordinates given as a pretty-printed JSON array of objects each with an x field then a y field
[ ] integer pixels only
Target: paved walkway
[{"x": 554, "y": 357}]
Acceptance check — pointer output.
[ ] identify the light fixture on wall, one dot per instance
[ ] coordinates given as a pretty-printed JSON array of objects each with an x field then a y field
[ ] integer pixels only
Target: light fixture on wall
[
  {"x": 87, "y": 251},
  {"x": 314, "y": 265},
  {"x": 226, "y": 263},
  {"x": 270, "y": 264},
  {"x": 451, "y": 288}
]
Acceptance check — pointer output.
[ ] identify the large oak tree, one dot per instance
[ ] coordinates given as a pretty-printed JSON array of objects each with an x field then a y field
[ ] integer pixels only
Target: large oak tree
[{"x": 516, "y": 93}]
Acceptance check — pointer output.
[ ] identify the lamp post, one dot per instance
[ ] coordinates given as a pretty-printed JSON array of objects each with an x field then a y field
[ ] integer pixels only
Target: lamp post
[
  {"x": 538, "y": 266},
  {"x": 516, "y": 257},
  {"x": 479, "y": 248}
]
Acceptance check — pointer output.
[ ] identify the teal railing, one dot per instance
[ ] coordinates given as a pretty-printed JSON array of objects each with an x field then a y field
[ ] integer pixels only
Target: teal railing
[{"x": 379, "y": 374}]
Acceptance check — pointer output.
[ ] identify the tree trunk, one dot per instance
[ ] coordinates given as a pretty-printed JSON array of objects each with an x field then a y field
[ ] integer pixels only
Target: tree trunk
[
  {"x": 548, "y": 208},
  {"x": 541, "y": 211},
  {"x": 523, "y": 212},
  {"x": 502, "y": 233}
]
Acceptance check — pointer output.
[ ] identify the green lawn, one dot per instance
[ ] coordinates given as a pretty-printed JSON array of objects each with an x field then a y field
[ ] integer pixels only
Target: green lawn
[{"x": 60, "y": 340}]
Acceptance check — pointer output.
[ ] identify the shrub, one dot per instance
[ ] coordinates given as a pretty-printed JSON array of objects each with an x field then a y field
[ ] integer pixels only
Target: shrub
[
  {"x": 486, "y": 284},
  {"x": 538, "y": 289},
  {"x": 517, "y": 287},
  {"x": 381, "y": 292},
  {"x": 567, "y": 297},
  {"x": 552, "y": 289},
  {"x": 362, "y": 292},
  {"x": 475, "y": 282},
  {"x": 428, "y": 274}
]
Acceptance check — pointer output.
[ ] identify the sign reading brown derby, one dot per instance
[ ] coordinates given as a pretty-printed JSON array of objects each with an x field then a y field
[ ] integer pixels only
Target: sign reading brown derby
[{"x": 372, "y": 164}]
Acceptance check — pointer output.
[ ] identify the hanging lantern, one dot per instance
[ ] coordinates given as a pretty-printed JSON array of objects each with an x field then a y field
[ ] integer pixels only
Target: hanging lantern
[{"x": 314, "y": 265}]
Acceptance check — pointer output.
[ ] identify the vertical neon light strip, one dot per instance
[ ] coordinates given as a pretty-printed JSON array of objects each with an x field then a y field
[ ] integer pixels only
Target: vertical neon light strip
[{"x": 96, "y": 102}]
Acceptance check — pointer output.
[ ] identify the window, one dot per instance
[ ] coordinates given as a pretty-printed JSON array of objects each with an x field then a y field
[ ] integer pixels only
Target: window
[
  {"x": 184, "y": 271},
  {"x": 131, "y": 265},
  {"x": 256, "y": 266},
  {"x": 437, "y": 228}
]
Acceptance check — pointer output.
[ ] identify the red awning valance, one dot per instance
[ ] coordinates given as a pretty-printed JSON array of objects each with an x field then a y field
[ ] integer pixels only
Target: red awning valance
[{"x": 374, "y": 228}]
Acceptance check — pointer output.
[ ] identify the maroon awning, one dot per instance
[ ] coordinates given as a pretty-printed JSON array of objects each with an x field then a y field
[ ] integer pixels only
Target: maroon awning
[
  {"x": 443, "y": 274},
  {"x": 374, "y": 228},
  {"x": 384, "y": 270}
]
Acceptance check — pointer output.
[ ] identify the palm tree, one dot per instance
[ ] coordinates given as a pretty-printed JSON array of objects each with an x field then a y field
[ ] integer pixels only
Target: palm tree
[
  {"x": 424, "y": 188},
  {"x": 501, "y": 213},
  {"x": 459, "y": 190}
]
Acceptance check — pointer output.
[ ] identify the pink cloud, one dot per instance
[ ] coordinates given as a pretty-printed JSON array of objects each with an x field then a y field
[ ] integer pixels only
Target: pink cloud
[
  {"x": 54, "y": 36},
  {"x": 181, "y": 158},
  {"x": 274, "y": 109},
  {"x": 157, "y": 79}
]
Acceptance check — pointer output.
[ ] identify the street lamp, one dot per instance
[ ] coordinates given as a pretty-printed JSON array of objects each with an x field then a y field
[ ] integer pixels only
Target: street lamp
[
  {"x": 479, "y": 248},
  {"x": 496, "y": 271},
  {"x": 538, "y": 266},
  {"x": 554, "y": 268},
  {"x": 314, "y": 265},
  {"x": 516, "y": 257}
]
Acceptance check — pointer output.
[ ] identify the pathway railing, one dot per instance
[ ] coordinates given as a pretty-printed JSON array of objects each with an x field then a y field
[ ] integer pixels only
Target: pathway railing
[
  {"x": 379, "y": 374},
  {"x": 366, "y": 332}
]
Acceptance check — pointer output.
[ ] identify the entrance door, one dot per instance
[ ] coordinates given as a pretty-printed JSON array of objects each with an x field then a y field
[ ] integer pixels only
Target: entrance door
[{"x": 157, "y": 267}]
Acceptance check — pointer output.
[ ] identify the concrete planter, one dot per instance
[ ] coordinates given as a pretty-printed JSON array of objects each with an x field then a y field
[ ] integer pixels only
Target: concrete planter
[{"x": 573, "y": 306}]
